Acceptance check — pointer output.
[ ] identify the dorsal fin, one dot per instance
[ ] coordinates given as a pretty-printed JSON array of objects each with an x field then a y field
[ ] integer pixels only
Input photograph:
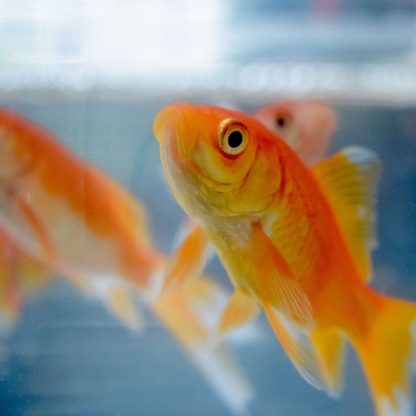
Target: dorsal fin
[{"x": 350, "y": 180}]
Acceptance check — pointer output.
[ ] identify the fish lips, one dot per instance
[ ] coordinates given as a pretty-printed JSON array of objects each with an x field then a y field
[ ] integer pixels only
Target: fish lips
[{"x": 168, "y": 128}]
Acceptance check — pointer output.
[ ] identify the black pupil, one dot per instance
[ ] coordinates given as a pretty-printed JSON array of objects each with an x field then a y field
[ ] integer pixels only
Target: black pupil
[
  {"x": 280, "y": 121},
  {"x": 235, "y": 139}
]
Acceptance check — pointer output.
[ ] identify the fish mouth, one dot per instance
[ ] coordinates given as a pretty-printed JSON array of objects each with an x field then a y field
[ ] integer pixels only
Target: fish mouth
[
  {"x": 175, "y": 144},
  {"x": 169, "y": 130},
  {"x": 165, "y": 122}
]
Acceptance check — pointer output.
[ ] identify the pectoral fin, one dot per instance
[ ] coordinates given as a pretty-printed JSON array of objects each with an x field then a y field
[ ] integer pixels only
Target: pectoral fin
[
  {"x": 38, "y": 229},
  {"x": 316, "y": 353},
  {"x": 189, "y": 260},
  {"x": 274, "y": 281},
  {"x": 297, "y": 346}
]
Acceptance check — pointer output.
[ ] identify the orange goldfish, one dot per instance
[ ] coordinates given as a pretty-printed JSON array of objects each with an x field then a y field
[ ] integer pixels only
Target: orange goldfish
[
  {"x": 295, "y": 242},
  {"x": 74, "y": 220},
  {"x": 306, "y": 126}
]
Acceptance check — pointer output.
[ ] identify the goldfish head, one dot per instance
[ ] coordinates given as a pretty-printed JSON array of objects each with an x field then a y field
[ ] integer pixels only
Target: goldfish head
[
  {"x": 307, "y": 126},
  {"x": 217, "y": 161}
]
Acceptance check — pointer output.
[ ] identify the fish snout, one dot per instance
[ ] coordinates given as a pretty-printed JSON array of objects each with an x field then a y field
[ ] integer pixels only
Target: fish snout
[
  {"x": 166, "y": 121},
  {"x": 169, "y": 128}
]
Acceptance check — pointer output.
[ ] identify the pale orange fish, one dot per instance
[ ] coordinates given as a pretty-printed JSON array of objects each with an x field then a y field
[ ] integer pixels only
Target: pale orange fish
[
  {"x": 306, "y": 126},
  {"x": 69, "y": 214},
  {"x": 77, "y": 222},
  {"x": 295, "y": 241}
]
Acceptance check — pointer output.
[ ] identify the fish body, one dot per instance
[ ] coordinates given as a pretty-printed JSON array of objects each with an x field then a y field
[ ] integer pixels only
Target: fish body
[{"x": 295, "y": 241}]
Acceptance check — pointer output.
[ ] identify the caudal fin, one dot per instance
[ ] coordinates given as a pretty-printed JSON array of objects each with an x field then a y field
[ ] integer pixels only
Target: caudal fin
[{"x": 388, "y": 355}]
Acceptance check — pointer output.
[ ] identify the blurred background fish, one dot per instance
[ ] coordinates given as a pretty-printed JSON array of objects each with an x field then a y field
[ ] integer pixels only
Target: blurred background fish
[{"x": 307, "y": 126}]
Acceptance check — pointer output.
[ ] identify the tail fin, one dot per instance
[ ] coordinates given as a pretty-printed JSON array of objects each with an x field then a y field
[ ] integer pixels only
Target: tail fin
[{"x": 388, "y": 354}]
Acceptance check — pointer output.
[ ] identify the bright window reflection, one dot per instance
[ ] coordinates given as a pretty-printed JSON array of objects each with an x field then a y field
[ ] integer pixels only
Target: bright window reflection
[{"x": 138, "y": 35}]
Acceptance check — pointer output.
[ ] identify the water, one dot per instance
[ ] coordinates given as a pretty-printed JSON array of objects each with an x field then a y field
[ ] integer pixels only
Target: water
[
  {"x": 96, "y": 72},
  {"x": 69, "y": 356}
]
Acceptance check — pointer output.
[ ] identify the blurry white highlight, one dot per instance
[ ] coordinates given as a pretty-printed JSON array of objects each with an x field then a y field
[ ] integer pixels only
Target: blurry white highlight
[{"x": 142, "y": 35}]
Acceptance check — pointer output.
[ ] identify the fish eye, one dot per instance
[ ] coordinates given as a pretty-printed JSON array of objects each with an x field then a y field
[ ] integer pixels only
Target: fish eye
[
  {"x": 233, "y": 137},
  {"x": 282, "y": 120}
]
